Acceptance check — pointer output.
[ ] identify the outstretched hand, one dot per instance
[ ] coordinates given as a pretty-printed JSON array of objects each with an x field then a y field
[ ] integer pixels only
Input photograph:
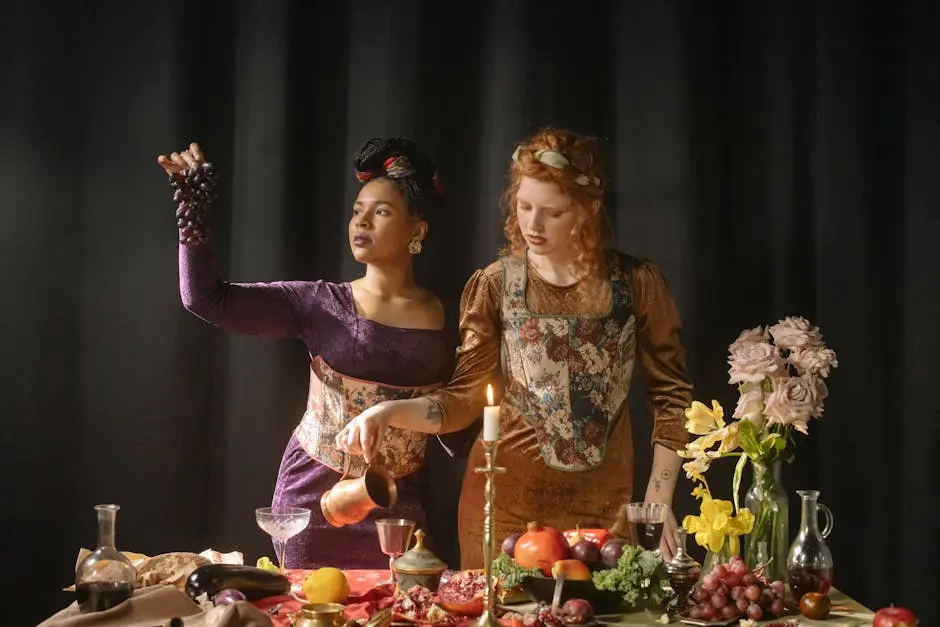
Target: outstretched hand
[{"x": 179, "y": 161}]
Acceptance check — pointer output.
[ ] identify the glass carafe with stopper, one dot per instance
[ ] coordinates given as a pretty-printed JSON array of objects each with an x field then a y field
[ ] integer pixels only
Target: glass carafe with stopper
[
  {"x": 809, "y": 563},
  {"x": 105, "y": 578}
]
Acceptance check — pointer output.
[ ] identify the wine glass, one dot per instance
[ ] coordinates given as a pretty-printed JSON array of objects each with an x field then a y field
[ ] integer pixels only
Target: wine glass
[
  {"x": 282, "y": 524},
  {"x": 649, "y": 519},
  {"x": 394, "y": 538}
]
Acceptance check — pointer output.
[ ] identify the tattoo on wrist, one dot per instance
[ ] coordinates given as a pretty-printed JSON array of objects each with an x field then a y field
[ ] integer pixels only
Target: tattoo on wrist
[{"x": 657, "y": 481}]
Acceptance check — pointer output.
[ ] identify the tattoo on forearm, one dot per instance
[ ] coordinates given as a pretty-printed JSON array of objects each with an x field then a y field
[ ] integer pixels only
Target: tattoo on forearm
[
  {"x": 658, "y": 481},
  {"x": 435, "y": 416}
]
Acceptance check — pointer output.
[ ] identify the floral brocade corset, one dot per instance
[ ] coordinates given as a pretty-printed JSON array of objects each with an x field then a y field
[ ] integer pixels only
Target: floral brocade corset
[
  {"x": 334, "y": 400},
  {"x": 568, "y": 376}
]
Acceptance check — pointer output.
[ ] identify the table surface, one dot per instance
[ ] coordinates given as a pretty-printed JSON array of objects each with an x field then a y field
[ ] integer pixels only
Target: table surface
[{"x": 855, "y": 615}]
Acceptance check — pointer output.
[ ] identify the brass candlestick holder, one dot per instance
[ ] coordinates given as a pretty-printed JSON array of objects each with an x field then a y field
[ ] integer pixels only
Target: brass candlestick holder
[{"x": 488, "y": 618}]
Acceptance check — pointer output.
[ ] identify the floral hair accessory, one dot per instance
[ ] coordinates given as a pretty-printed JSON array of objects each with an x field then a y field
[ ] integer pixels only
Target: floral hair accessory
[
  {"x": 557, "y": 160},
  {"x": 398, "y": 167},
  {"x": 394, "y": 168}
]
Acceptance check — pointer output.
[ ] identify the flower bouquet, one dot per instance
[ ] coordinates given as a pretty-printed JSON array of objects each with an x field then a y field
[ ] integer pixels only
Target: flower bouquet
[{"x": 780, "y": 372}]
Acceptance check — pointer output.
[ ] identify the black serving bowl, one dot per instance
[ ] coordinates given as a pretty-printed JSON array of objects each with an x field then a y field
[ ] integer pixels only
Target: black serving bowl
[{"x": 542, "y": 590}]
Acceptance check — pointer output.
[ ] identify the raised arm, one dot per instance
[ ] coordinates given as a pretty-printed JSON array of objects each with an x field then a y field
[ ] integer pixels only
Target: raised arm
[{"x": 268, "y": 309}]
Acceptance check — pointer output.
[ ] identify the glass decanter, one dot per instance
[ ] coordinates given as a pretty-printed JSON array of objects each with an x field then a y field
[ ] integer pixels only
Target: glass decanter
[
  {"x": 809, "y": 562},
  {"x": 105, "y": 578}
]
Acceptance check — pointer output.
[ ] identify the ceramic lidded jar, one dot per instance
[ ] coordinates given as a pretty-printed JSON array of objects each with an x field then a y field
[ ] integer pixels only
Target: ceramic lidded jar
[{"x": 418, "y": 566}]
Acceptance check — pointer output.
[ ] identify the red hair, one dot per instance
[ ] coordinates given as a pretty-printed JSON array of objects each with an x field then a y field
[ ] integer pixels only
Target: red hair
[{"x": 590, "y": 236}]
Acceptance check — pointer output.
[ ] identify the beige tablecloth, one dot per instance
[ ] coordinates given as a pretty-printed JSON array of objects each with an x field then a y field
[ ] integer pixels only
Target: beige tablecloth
[
  {"x": 156, "y": 607},
  {"x": 859, "y": 616}
]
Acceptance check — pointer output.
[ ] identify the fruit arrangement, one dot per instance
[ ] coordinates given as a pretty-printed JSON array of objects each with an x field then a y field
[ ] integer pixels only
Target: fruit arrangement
[
  {"x": 597, "y": 565},
  {"x": 732, "y": 591}
]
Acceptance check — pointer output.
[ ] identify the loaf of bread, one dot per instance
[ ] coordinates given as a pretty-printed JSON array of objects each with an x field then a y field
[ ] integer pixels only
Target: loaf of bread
[{"x": 169, "y": 569}]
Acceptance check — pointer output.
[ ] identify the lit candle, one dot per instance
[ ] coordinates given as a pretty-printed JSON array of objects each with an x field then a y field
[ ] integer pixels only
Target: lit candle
[{"x": 490, "y": 417}]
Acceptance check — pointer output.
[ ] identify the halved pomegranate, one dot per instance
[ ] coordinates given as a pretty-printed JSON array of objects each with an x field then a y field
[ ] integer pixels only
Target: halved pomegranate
[{"x": 462, "y": 595}]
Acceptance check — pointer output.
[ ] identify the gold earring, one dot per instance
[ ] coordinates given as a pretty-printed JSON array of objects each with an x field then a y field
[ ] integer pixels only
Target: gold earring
[{"x": 414, "y": 247}]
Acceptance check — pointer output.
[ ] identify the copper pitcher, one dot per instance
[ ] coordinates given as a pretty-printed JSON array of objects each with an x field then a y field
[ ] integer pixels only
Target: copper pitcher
[{"x": 351, "y": 500}]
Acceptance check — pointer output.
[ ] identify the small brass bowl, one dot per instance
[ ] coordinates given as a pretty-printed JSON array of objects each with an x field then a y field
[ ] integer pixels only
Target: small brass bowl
[{"x": 321, "y": 615}]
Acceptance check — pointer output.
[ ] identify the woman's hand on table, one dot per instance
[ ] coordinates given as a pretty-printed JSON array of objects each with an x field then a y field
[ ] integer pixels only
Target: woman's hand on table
[
  {"x": 667, "y": 544},
  {"x": 363, "y": 434}
]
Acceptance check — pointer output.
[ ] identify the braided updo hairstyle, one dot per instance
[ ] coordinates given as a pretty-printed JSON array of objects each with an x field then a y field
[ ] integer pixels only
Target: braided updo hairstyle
[{"x": 405, "y": 164}]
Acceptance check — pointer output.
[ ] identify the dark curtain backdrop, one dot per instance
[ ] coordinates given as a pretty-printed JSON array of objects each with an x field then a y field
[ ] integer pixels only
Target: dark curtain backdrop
[{"x": 773, "y": 157}]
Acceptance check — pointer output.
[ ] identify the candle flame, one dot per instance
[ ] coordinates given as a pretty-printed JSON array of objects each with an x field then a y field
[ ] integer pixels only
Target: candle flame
[{"x": 489, "y": 394}]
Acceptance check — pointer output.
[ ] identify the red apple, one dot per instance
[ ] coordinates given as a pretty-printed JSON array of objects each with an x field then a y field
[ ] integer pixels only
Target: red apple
[{"x": 894, "y": 617}]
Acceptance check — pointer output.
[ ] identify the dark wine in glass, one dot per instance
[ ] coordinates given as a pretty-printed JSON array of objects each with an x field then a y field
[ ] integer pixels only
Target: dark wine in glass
[
  {"x": 650, "y": 534},
  {"x": 98, "y": 596}
]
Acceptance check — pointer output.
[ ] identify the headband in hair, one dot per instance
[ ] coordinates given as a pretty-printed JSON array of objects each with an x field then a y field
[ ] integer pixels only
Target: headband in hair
[
  {"x": 394, "y": 168},
  {"x": 555, "y": 159}
]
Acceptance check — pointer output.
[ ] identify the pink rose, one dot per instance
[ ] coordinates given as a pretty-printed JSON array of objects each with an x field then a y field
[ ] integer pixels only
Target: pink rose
[
  {"x": 794, "y": 332},
  {"x": 749, "y": 336},
  {"x": 814, "y": 360},
  {"x": 751, "y": 404},
  {"x": 753, "y": 361},
  {"x": 793, "y": 401}
]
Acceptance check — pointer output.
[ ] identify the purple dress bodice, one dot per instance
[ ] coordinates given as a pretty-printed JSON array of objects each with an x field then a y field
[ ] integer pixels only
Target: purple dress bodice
[{"x": 322, "y": 315}]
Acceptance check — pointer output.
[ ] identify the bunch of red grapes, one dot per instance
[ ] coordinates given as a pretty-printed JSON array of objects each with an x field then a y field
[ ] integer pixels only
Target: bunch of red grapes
[{"x": 731, "y": 591}]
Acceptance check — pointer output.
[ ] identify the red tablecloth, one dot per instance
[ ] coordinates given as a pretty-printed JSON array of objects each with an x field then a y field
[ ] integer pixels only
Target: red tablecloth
[{"x": 367, "y": 595}]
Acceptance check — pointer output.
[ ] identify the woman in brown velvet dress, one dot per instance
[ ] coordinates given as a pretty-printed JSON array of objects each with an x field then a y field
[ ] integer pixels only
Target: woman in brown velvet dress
[{"x": 558, "y": 323}]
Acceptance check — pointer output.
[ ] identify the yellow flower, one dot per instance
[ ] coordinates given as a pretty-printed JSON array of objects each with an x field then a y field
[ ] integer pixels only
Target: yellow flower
[
  {"x": 717, "y": 524},
  {"x": 695, "y": 468},
  {"x": 731, "y": 438},
  {"x": 702, "y": 420},
  {"x": 743, "y": 522},
  {"x": 701, "y": 492}
]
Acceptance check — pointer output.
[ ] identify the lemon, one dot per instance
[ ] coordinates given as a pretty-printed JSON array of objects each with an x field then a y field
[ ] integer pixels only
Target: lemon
[{"x": 326, "y": 585}]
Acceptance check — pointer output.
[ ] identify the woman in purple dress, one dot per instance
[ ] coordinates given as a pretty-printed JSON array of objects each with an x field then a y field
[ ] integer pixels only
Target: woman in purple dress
[{"x": 378, "y": 337}]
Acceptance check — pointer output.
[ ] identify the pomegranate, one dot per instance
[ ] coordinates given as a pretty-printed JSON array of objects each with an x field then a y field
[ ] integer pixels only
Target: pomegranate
[
  {"x": 577, "y": 612},
  {"x": 540, "y": 547},
  {"x": 462, "y": 595},
  {"x": 894, "y": 617}
]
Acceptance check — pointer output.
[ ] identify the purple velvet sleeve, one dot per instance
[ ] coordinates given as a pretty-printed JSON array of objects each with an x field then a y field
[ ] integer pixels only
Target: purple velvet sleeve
[{"x": 277, "y": 310}]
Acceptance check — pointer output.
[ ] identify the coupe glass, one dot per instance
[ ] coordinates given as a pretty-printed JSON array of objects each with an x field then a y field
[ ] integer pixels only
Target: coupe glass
[
  {"x": 282, "y": 524},
  {"x": 394, "y": 538}
]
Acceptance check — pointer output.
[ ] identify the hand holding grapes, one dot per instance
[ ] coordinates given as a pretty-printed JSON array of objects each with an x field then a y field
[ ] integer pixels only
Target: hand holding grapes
[
  {"x": 179, "y": 161},
  {"x": 193, "y": 180}
]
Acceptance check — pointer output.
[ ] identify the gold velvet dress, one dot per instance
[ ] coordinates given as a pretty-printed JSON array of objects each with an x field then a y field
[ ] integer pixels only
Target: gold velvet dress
[{"x": 563, "y": 374}]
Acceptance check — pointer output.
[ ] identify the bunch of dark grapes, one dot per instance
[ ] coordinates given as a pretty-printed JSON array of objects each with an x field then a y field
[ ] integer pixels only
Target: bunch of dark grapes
[
  {"x": 194, "y": 191},
  {"x": 731, "y": 591}
]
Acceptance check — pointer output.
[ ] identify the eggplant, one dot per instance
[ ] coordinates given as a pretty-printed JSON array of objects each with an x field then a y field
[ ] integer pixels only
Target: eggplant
[{"x": 254, "y": 583}]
